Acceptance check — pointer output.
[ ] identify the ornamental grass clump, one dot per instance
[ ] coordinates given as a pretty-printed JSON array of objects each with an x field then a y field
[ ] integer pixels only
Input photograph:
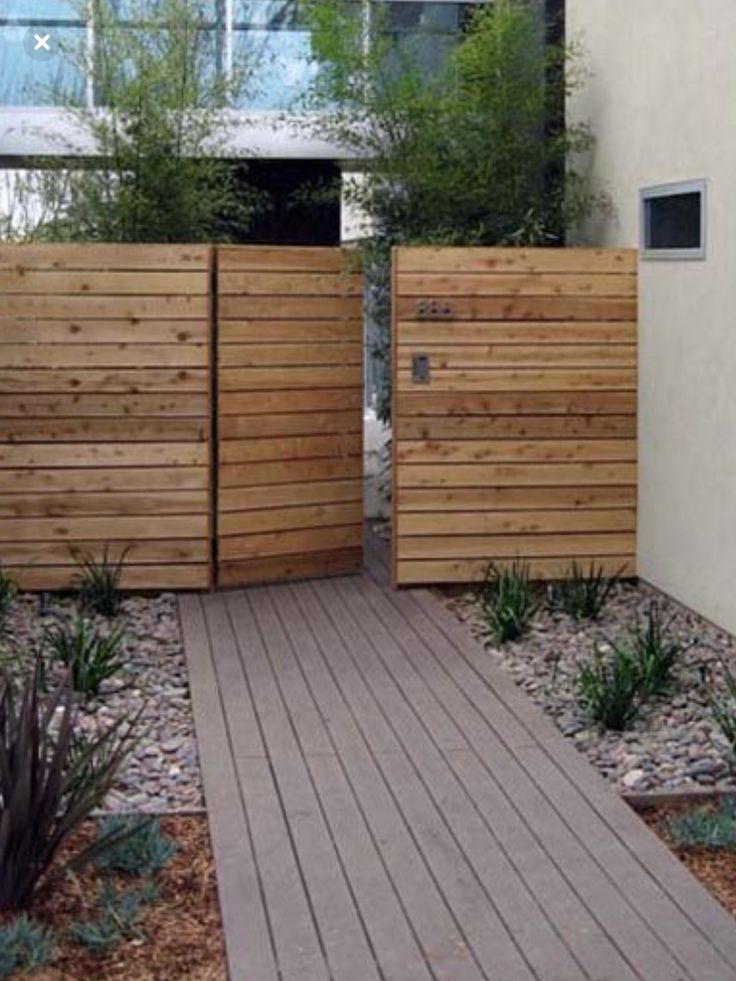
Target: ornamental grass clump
[
  {"x": 582, "y": 595},
  {"x": 50, "y": 782},
  {"x": 608, "y": 687},
  {"x": 508, "y": 602},
  {"x": 723, "y": 708},
  {"x": 8, "y": 592},
  {"x": 657, "y": 652},
  {"x": 118, "y": 918},
  {"x": 711, "y": 828},
  {"x": 92, "y": 657},
  {"x": 619, "y": 679},
  {"x": 98, "y": 582},
  {"x": 141, "y": 848},
  {"x": 25, "y": 946}
]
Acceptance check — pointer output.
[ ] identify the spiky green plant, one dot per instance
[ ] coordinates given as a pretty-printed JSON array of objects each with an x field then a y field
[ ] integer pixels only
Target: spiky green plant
[
  {"x": 118, "y": 919},
  {"x": 92, "y": 657},
  {"x": 46, "y": 787},
  {"x": 656, "y": 650},
  {"x": 582, "y": 595},
  {"x": 706, "y": 827},
  {"x": 143, "y": 850},
  {"x": 25, "y": 946},
  {"x": 98, "y": 581},
  {"x": 508, "y": 601},
  {"x": 8, "y": 592},
  {"x": 608, "y": 687},
  {"x": 723, "y": 708}
]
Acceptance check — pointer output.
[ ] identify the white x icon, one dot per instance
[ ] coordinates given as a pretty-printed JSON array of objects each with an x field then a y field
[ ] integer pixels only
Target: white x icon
[{"x": 42, "y": 42}]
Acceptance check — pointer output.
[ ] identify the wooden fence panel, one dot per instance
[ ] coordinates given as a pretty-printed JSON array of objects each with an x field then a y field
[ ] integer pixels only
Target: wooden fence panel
[
  {"x": 290, "y": 429},
  {"x": 521, "y": 440},
  {"x": 105, "y": 411}
]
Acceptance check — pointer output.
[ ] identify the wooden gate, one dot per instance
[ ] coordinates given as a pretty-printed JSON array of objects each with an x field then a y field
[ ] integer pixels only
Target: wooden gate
[
  {"x": 514, "y": 411},
  {"x": 105, "y": 411},
  {"x": 290, "y": 413}
]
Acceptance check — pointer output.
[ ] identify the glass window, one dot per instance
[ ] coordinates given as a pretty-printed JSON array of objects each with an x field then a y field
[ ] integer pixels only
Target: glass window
[
  {"x": 133, "y": 10},
  {"x": 425, "y": 33},
  {"x": 423, "y": 17},
  {"x": 273, "y": 15},
  {"x": 673, "y": 221},
  {"x": 32, "y": 11},
  {"x": 29, "y": 81},
  {"x": 284, "y": 67}
]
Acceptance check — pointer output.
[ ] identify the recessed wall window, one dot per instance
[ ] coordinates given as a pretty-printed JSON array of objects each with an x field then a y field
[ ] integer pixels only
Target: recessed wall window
[{"x": 673, "y": 221}]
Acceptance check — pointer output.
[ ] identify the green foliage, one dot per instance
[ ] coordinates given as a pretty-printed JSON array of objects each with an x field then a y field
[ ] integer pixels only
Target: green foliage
[
  {"x": 614, "y": 684},
  {"x": 608, "y": 687},
  {"x": 508, "y": 602},
  {"x": 656, "y": 652},
  {"x": 91, "y": 657},
  {"x": 723, "y": 708},
  {"x": 465, "y": 147},
  {"x": 118, "y": 919},
  {"x": 139, "y": 849},
  {"x": 25, "y": 945},
  {"x": 48, "y": 783},
  {"x": 456, "y": 141},
  {"x": 161, "y": 173},
  {"x": 8, "y": 592},
  {"x": 98, "y": 935},
  {"x": 583, "y": 596},
  {"x": 98, "y": 581},
  {"x": 706, "y": 827}
]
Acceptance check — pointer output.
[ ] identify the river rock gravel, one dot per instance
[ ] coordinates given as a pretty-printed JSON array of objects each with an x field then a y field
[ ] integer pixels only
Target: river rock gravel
[
  {"x": 162, "y": 774},
  {"x": 674, "y": 743}
]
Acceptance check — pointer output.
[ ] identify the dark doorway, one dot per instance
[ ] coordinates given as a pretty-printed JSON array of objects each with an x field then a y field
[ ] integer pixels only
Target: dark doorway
[{"x": 304, "y": 202}]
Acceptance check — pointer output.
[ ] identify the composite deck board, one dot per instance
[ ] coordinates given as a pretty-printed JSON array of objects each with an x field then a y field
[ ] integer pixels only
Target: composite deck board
[{"x": 386, "y": 805}]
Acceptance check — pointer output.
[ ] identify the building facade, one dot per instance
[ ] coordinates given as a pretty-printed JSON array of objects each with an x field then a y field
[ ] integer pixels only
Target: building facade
[{"x": 660, "y": 100}]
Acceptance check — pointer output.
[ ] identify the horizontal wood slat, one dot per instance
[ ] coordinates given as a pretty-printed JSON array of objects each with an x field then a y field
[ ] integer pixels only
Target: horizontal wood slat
[
  {"x": 469, "y": 333},
  {"x": 470, "y": 260},
  {"x": 516, "y": 284},
  {"x": 95, "y": 257},
  {"x": 105, "y": 412},
  {"x": 114, "y": 332},
  {"x": 523, "y": 356},
  {"x": 522, "y": 307},
  {"x": 521, "y": 442},
  {"x": 30, "y": 405},
  {"x": 290, "y": 429}
]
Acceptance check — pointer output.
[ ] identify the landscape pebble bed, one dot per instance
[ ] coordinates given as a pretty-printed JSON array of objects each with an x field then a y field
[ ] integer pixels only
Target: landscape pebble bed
[
  {"x": 162, "y": 774},
  {"x": 674, "y": 743}
]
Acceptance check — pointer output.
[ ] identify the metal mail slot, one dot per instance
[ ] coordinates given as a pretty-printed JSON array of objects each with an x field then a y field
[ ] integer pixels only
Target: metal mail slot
[{"x": 420, "y": 369}]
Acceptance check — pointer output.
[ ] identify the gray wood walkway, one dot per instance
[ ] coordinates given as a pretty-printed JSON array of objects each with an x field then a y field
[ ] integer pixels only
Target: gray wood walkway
[{"x": 386, "y": 806}]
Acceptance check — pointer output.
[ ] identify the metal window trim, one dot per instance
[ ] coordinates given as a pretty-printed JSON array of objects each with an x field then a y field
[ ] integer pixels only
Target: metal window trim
[{"x": 672, "y": 189}]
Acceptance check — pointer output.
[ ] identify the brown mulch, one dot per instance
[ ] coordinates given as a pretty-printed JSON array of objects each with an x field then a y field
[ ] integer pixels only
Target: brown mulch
[
  {"x": 716, "y": 869},
  {"x": 181, "y": 934}
]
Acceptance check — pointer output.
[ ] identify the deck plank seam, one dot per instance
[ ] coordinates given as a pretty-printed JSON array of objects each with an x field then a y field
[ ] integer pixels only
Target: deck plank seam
[
  {"x": 374, "y": 757},
  {"x": 328, "y": 610},
  {"x": 210, "y": 670},
  {"x": 308, "y": 770},
  {"x": 346, "y": 776},
  {"x": 274, "y": 779}
]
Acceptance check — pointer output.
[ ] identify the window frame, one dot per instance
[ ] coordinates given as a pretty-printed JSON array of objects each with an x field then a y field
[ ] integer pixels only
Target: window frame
[{"x": 672, "y": 189}]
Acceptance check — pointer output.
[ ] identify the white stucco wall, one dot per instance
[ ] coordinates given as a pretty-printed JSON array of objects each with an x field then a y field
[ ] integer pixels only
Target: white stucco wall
[{"x": 662, "y": 100}]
